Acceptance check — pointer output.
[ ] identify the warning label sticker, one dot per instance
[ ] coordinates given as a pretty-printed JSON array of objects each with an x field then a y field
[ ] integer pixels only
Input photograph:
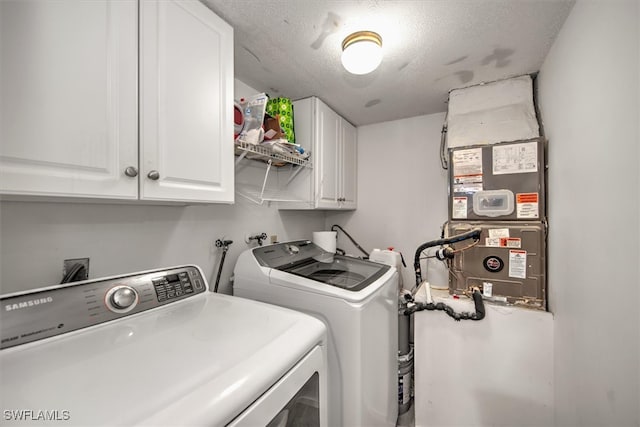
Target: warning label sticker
[
  {"x": 503, "y": 242},
  {"x": 510, "y": 242},
  {"x": 467, "y": 183},
  {"x": 459, "y": 208},
  {"x": 527, "y": 205},
  {"x": 518, "y": 264}
]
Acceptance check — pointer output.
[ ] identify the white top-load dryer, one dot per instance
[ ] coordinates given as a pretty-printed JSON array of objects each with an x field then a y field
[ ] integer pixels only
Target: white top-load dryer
[
  {"x": 156, "y": 348},
  {"x": 357, "y": 300}
]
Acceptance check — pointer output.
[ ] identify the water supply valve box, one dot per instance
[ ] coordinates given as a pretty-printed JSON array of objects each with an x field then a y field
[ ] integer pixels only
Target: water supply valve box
[
  {"x": 497, "y": 182},
  {"x": 508, "y": 263}
]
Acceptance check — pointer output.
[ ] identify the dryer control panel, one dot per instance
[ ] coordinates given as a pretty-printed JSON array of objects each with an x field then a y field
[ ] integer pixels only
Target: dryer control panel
[{"x": 55, "y": 310}]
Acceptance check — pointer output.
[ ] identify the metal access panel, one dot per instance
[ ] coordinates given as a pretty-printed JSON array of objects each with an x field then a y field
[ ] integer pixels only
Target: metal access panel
[
  {"x": 508, "y": 263},
  {"x": 497, "y": 182}
]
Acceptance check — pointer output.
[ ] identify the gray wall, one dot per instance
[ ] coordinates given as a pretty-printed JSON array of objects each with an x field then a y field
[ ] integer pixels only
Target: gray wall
[
  {"x": 36, "y": 237},
  {"x": 589, "y": 96},
  {"x": 402, "y": 191}
]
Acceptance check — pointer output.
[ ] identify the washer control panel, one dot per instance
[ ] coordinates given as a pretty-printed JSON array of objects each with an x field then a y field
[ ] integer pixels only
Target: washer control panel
[{"x": 55, "y": 310}]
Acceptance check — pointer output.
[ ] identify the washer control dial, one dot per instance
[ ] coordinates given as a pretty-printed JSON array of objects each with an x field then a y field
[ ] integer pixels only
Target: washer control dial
[{"x": 121, "y": 299}]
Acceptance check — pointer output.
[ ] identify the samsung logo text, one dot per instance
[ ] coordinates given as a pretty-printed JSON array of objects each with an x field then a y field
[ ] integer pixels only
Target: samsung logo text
[{"x": 27, "y": 304}]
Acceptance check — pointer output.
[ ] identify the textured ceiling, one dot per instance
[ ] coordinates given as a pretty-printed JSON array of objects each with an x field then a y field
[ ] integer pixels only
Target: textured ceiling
[{"x": 292, "y": 48}]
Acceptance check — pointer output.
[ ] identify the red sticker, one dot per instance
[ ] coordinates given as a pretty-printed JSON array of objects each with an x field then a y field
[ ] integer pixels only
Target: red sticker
[{"x": 527, "y": 198}]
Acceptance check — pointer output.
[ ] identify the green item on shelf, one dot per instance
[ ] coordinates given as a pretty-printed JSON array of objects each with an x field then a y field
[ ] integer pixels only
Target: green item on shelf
[{"x": 283, "y": 108}]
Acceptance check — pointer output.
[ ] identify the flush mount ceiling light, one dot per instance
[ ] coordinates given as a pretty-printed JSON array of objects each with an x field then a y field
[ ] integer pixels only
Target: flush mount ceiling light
[{"x": 362, "y": 52}]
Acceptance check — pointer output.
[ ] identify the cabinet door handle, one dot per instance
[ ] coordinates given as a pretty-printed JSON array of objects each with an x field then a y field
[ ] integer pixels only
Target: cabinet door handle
[
  {"x": 153, "y": 175},
  {"x": 131, "y": 172}
]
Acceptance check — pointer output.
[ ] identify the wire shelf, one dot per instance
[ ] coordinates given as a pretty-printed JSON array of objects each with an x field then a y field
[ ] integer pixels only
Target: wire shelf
[
  {"x": 259, "y": 196},
  {"x": 266, "y": 153}
]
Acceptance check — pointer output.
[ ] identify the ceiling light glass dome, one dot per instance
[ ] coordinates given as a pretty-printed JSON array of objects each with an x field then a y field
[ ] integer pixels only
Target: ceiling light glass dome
[{"x": 362, "y": 52}]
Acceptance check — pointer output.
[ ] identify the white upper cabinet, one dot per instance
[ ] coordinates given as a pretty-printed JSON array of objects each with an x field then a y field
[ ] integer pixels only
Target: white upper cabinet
[
  {"x": 73, "y": 95},
  {"x": 68, "y": 98},
  {"x": 327, "y": 156},
  {"x": 332, "y": 142},
  {"x": 348, "y": 166},
  {"x": 186, "y": 104}
]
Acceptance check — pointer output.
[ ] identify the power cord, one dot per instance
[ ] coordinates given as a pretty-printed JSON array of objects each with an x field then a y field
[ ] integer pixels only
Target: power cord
[
  {"x": 334, "y": 226},
  {"x": 76, "y": 273}
]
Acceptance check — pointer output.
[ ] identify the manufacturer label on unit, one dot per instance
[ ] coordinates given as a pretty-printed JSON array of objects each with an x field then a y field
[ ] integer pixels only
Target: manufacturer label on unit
[
  {"x": 467, "y": 171},
  {"x": 495, "y": 234},
  {"x": 503, "y": 242},
  {"x": 467, "y": 162},
  {"x": 518, "y": 264},
  {"x": 498, "y": 232},
  {"x": 527, "y": 205},
  {"x": 459, "y": 208},
  {"x": 515, "y": 158}
]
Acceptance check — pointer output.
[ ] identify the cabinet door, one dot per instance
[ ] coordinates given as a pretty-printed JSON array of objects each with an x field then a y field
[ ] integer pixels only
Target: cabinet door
[
  {"x": 186, "y": 80},
  {"x": 326, "y": 165},
  {"x": 68, "y": 109},
  {"x": 348, "y": 167},
  {"x": 301, "y": 186}
]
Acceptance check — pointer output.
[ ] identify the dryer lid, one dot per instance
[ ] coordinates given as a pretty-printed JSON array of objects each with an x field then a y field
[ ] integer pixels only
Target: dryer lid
[{"x": 198, "y": 361}]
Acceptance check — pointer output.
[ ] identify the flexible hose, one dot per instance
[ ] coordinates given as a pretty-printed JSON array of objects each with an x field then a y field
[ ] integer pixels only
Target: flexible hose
[
  {"x": 224, "y": 244},
  {"x": 477, "y": 315},
  {"x": 444, "y": 160},
  {"x": 473, "y": 234},
  {"x": 224, "y": 253}
]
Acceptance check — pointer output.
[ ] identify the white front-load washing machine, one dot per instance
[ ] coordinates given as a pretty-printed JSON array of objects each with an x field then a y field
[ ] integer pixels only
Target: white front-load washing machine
[{"x": 357, "y": 300}]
